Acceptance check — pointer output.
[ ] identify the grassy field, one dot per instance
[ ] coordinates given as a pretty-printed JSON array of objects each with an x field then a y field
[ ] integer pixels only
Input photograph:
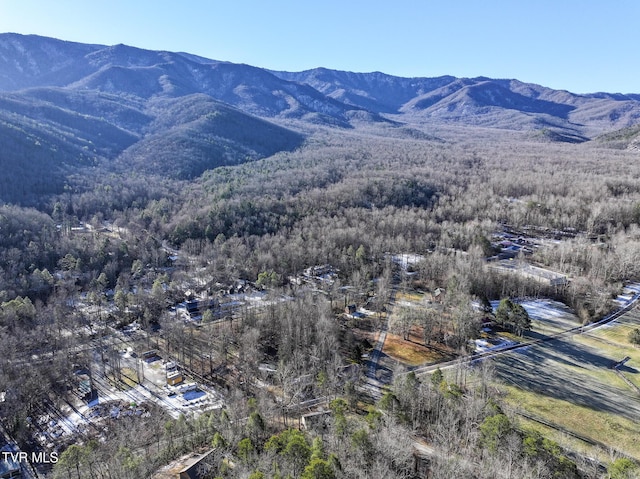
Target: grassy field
[
  {"x": 569, "y": 442},
  {"x": 612, "y": 430},
  {"x": 548, "y": 317},
  {"x": 126, "y": 380},
  {"x": 570, "y": 383},
  {"x": 614, "y": 340},
  {"x": 412, "y": 297}
]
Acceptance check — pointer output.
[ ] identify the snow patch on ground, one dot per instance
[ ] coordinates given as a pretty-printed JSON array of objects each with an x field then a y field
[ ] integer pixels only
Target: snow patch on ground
[
  {"x": 484, "y": 345},
  {"x": 407, "y": 259},
  {"x": 548, "y": 309},
  {"x": 628, "y": 293},
  {"x": 544, "y": 309}
]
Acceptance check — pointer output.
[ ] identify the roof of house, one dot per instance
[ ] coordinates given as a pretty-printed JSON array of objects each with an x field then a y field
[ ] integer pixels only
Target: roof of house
[
  {"x": 181, "y": 465},
  {"x": 7, "y": 463}
]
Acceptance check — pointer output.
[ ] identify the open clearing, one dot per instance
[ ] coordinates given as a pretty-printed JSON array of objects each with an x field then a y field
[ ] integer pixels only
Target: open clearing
[
  {"x": 570, "y": 382},
  {"x": 414, "y": 352},
  {"x": 412, "y": 298},
  {"x": 547, "y": 316}
]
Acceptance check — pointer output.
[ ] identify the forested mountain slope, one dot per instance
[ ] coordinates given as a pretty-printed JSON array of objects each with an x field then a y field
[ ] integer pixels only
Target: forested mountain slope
[
  {"x": 32, "y": 61},
  {"x": 475, "y": 101},
  {"x": 67, "y": 107},
  {"x": 625, "y": 138},
  {"x": 195, "y": 133}
]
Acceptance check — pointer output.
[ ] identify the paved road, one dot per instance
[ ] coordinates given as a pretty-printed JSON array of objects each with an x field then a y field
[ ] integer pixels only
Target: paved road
[
  {"x": 529, "y": 344},
  {"x": 374, "y": 383}
]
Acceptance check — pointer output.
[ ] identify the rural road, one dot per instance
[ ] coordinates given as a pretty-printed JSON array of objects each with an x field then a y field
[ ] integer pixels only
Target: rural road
[{"x": 529, "y": 344}]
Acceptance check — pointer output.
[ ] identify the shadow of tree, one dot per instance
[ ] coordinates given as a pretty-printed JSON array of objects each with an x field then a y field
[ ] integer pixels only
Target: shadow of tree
[{"x": 560, "y": 369}]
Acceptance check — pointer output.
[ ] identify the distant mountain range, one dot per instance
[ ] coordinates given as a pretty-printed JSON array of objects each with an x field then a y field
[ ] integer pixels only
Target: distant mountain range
[{"x": 67, "y": 105}]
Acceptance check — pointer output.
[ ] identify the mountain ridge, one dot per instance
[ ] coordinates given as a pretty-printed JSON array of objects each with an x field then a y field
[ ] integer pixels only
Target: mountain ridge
[
  {"x": 319, "y": 94},
  {"x": 90, "y": 104}
]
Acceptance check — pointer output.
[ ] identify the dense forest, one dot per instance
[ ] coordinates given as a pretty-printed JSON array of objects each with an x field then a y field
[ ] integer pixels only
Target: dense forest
[{"x": 348, "y": 199}]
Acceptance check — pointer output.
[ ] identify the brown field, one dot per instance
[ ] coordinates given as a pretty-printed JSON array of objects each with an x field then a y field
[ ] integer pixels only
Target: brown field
[
  {"x": 127, "y": 379},
  {"x": 413, "y": 352},
  {"x": 413, "y": 296}
]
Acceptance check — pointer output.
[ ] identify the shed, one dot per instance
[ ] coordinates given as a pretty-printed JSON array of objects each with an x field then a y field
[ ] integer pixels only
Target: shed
[
  {"x": 149, "y": 355},
  {"x": 191, "y": 466},
  {"x": 174, "y": 377},
  {"x": 194, "y": 466},
  {"x": 438, "y": 295}
]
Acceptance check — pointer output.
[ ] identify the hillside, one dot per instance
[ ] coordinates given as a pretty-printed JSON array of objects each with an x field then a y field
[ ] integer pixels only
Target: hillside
[
  {"x": 66, "y": 106},
  {"x": 319, "y": 95},
  {"x": 372, "y": 91},
  {"x": 195, "y": 133},
  {"x": 31, "y": 61},
  {"x": 625, "y": 138},
  {"x": 481, "y": 101},
  {"x": 48, "y": 134}
]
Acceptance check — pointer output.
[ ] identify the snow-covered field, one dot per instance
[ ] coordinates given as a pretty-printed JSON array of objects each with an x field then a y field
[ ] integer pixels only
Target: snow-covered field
[{"x": 548, "y": 316}]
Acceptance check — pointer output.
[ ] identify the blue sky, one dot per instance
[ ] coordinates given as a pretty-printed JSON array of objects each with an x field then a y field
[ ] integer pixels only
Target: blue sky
[{"x": 577, "y": 45}]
